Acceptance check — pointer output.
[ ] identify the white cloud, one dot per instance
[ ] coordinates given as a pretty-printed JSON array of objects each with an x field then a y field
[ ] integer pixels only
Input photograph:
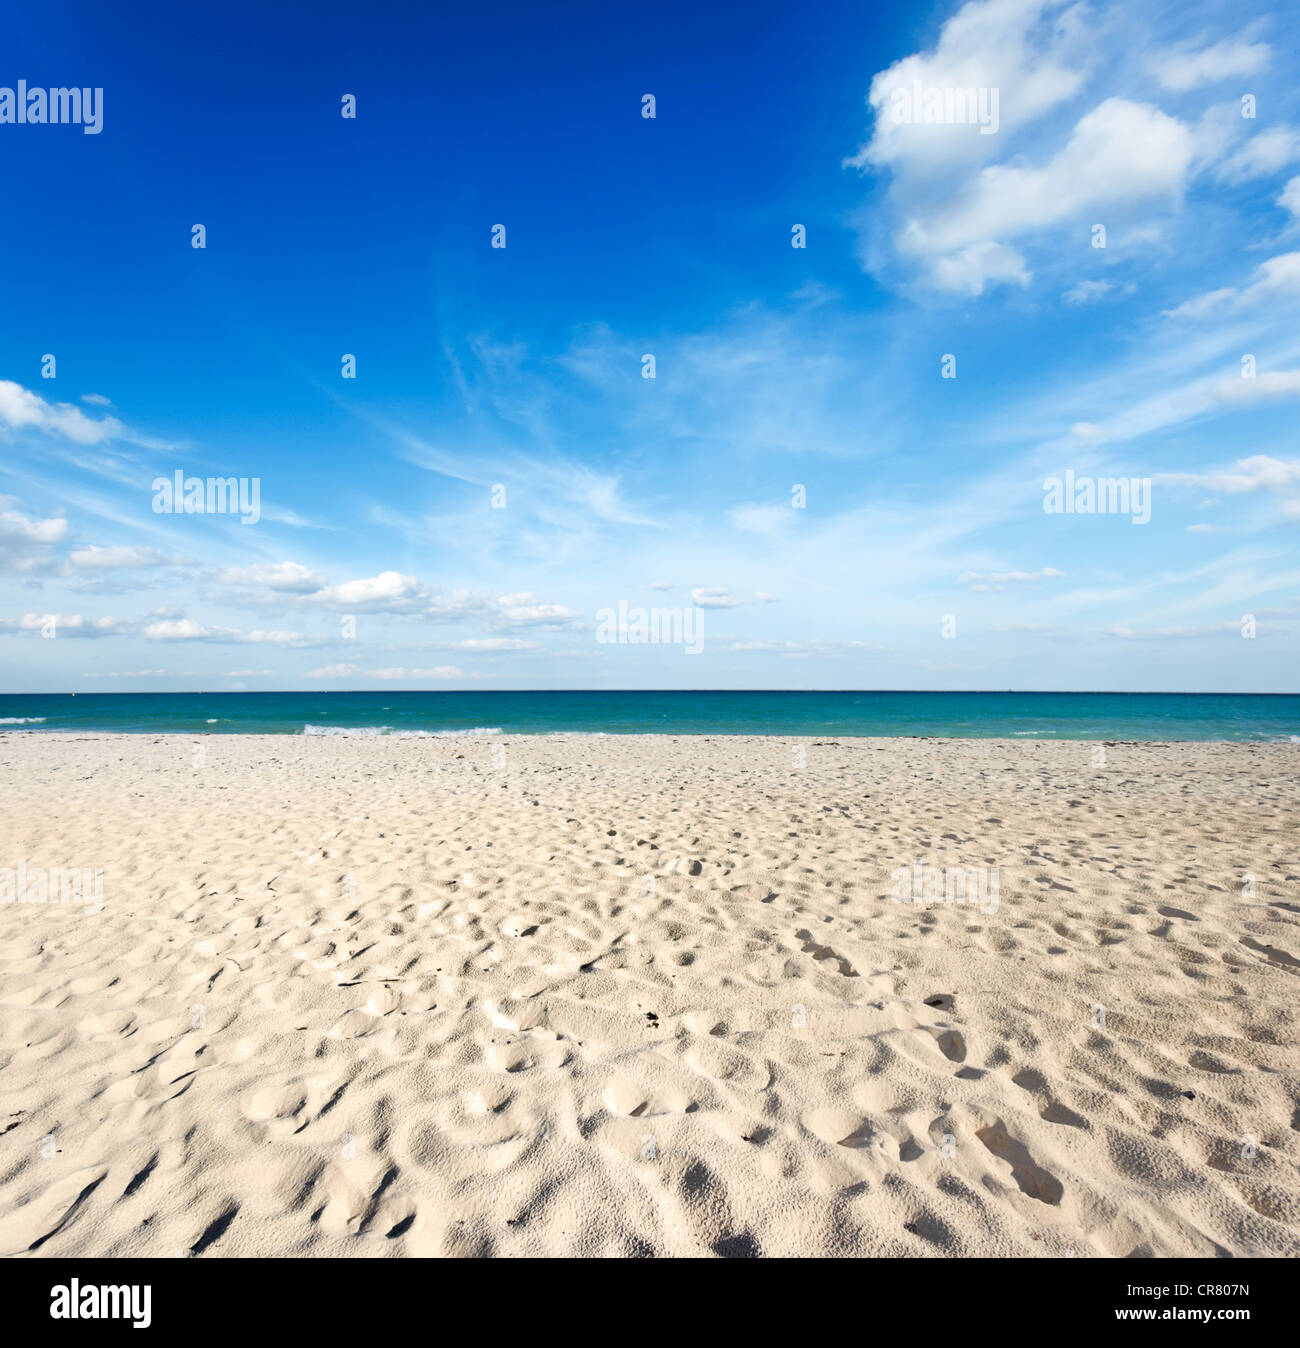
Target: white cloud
[
  {"x": 387, "y": 591},
  {"x": 288, "y": 577},
  {"x": 495, "y": 644},
  {"x": 16, "y": 528},
  {"x": 1182, "y": 68},
  {"x": 177, "y": 629},
  {"x": 713, "y": 597},
  {"x": 963, "y": 207},
  {"x": 67, "y": 625},
  {"x": 1267, "y": 387},
  {"x": 968, "y": 271},
  {"x": 1264, "y": 153},
  {"x": 525, "y": 610},
  {"x": 1119, "y": 154},
  {"x": 1259, "y": 472},
  {"x": 1277, "y": 278},
  {"x": 257, "y": 637},
  {"x": 1289, "y": 197},
  {"x": 187, "y": 629},
  {"x": 1085, "y": 292},
  {"x": 1176, "y": 633},
  {"x": 1029, "y": 48},
  {"x": 21, "y": 409},
  {"x": 351, "y": 671},
  {"x": 92, "y": 558},
  {"x": 983, "y": 583}
]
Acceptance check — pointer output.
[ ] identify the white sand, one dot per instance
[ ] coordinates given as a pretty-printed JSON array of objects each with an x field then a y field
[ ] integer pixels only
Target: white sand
[{"x": 418, "y": 996}]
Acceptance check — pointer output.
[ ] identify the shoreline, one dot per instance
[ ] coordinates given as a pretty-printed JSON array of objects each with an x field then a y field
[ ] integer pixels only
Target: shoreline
[{"x": 498, "y": 736}]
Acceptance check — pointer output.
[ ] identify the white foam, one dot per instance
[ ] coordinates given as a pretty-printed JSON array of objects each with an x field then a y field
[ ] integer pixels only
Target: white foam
[
  {"x": 20, "y": 720},
  {"x": 398, "y": 734},
  {"x": 344, "y": 729}
]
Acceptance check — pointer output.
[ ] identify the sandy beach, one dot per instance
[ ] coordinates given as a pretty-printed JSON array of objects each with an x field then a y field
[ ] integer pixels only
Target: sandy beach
[{"x": 649, "y": 995}]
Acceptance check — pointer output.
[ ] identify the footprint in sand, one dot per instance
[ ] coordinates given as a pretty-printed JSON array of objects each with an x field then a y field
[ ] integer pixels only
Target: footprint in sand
[
  {"x": 1050, "y": 1109},
  {"x": 1271, "y": 952},
  {"x": 823, "y": 954},
  {"x": 1032, "y": 1179}
]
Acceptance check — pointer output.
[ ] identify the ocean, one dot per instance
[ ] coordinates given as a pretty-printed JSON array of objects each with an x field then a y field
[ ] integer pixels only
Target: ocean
[{"x": 1080, "y": 716}]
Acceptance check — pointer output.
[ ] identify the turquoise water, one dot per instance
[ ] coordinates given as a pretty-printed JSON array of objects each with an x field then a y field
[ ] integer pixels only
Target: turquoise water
[{"x": 1112, "y": 716}]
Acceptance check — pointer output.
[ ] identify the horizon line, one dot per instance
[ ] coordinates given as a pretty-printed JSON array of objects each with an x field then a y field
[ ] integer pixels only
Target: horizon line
[{"x": 455, "y": 692}]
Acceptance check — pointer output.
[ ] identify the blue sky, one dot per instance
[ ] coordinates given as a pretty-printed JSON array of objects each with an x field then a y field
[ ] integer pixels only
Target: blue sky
[{"x": 776, "y": 368}]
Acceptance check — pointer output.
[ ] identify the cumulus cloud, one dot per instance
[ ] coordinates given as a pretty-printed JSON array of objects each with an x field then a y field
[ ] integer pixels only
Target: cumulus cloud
[
  {"x": 1032, "y": 47},
  {"x": 970, "y": 207},
  {"x": 390, "y": 591},
  {"x": 967, "y": 202},
  {"x": 1119, "y": 154}
]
